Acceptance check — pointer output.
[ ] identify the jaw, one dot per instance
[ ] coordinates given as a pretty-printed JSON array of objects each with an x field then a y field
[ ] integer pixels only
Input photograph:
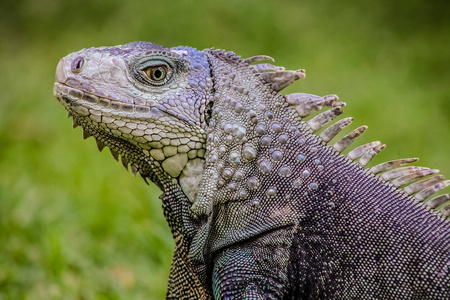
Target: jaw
[
  {"x": 130, "y": 154},
  {"x": 183, "y": 169}
]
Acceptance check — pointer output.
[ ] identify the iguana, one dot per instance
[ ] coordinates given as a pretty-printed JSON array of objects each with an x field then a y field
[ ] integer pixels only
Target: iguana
[{"x": 260, "y": 205}]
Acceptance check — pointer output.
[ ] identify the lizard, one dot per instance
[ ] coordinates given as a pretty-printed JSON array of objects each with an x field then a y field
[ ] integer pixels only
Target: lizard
[{"x": 259, "y": 196}]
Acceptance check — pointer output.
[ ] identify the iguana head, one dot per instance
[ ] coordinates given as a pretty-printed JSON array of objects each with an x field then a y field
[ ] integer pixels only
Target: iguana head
[{"x": 145, "y": 102}]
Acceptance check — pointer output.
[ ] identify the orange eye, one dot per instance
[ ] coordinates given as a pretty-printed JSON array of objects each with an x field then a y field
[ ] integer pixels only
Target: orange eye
[{"x": 156, "y": 73}]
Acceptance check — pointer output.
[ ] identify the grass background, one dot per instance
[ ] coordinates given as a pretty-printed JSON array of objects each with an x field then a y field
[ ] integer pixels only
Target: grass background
[{"x": 74, "y": 225}]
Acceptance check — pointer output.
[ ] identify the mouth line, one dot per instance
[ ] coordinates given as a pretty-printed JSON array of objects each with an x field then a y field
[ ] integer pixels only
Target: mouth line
[{"x": 71, "y": 95}]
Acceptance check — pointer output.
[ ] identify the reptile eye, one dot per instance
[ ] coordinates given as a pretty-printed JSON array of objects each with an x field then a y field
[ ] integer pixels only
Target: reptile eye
[
  {"x": 156, "y": 73},
  {"x": 153, "y": 70}
]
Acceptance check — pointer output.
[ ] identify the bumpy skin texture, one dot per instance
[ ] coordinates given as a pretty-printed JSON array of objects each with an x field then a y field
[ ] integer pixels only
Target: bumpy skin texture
[{"x": 260, "y": 206}]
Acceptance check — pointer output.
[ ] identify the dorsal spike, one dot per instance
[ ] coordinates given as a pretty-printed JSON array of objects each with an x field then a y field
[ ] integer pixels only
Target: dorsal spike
[
  {"x": 427, "y": 192},
  {"x": 257, "y": 58},
  {"x": 268, "y": 67},
  {"x": 280, "y": 80},
  {"x": 367, "y": 157},
  {"x": 423, "y": 184},
  {"x": 343, "y": 143},
  {"x": 361, "y": 150},
  {"x": 412, "y": 177},
  {"x": 400, "y": 172},
  {"x": 389, "y": 165},
  {"x": 329, "y": 133},
  {"x": 323, "y": 118},
  {"x": 445, "y": 211},
  {"x": 305, "y": 104},
  {"x": 438, "y": 201}
]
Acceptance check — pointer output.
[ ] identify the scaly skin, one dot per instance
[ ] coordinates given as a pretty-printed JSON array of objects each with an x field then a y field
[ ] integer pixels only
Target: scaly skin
[
  {"x": 112, "y": 100},
  {"x": 260, "y": 207}
]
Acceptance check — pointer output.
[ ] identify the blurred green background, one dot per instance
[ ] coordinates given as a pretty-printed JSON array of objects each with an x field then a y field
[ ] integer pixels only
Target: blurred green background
[{"x": 75, "y": 225}]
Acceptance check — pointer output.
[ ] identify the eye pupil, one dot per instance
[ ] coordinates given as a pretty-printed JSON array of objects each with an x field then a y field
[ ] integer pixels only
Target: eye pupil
[{"x": 157, "y": 74}]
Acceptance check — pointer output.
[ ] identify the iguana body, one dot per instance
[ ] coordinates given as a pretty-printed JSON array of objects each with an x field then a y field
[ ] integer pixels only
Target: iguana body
[{"x": 259, "y": 205}]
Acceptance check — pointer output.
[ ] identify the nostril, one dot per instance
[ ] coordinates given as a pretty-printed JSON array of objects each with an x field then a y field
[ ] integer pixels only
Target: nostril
[{"x": 77, "y": 64}]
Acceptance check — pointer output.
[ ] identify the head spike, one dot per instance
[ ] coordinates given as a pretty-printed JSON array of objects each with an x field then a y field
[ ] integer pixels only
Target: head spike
[
  {"x": 134, "y": 169},
  {"x": 100, "y": 145},
  {"x": 124, "y": 162},
  {"x": 86, "y": 134},
  {"x": 74, "y": 124},
  {"x": 145, "y": 178},
  {"x": 114, "y": 154}
]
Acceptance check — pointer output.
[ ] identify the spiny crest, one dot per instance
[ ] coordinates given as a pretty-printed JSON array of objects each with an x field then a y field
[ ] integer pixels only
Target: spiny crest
[
  {"x": 404, "y": 178},
  {"x": 277, "y": 77}
]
